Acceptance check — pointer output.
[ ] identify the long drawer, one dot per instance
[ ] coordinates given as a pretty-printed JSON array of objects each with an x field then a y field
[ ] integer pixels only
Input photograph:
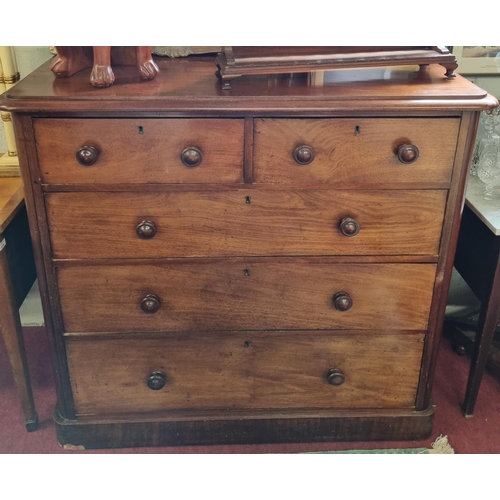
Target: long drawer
[
  {"x": 245, "y": 294},
  {"x": 139, "y": 151},
  {"x": 245, "y": 222},
  {"x": 251, "y": 370},
  {"x": 354, "y": 151}
]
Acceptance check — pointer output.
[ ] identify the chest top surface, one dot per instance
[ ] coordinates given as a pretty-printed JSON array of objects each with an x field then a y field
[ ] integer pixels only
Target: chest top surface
[{"x": 190, "y": 85}]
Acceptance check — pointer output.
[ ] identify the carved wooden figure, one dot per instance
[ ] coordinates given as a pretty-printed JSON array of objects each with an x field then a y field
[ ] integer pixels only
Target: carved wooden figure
[{"x": 70, "y": 60}]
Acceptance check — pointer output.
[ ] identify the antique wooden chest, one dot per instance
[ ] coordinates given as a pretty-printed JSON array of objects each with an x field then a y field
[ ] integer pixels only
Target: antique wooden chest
[{"x": 266, "y": 264}]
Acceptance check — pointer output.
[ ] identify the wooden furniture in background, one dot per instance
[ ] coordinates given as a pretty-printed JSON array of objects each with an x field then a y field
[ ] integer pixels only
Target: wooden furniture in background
[
  {"x": 9, "y": 76},
  {"x": 478, "y": 261},
  {"x": 17, "y": 275},
  {"x": 71, "y": 60},
  {"x": 266, "y": 265},
  {"x": 234, "y": 62}
]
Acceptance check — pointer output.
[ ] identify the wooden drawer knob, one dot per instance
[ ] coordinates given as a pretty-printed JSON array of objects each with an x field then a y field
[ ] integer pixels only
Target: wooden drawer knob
[
  {"x": 156, "y": 381},
  {"x": 408, "y": 153},
  {"x": 146, "y": 229},
  {"x": 335, "y": 377},
  {"x": 304, "y": 155},
  {"x": 342, "y": 301},
  {"x": 150, "y": 303},
  {"x": 87, "y": 155},
  {"x": 191, "y": 157},
  {"x": 349, "y": 227}
]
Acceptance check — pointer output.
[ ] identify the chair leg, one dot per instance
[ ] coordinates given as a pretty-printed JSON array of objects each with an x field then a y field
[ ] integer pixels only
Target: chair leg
[
  {"x": 13, "y": 337},
  {"x": 487, "y": 323}
]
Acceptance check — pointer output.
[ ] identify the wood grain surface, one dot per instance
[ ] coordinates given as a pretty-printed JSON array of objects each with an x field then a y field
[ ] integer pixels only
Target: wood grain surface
[
  {"x": 254, "y": 370},
  {"x": 130, "y": 154},
  {"x": 244, "y": 222},
  {"x": 345, "y": 154},
  {"x": 11, "y": 200},
  {"x": 245, "y": 294},
  {"x": 189, "y": 85}
]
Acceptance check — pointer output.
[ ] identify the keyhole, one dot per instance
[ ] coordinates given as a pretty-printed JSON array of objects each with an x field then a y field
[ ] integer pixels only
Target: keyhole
[
  {"x": 246, "y": 272},
  {"x": 247, "y": 200},
  {"x": 140, "y": 129},
  {"x": 357, "y": 130},
  {"x": 246, "y": 343}
]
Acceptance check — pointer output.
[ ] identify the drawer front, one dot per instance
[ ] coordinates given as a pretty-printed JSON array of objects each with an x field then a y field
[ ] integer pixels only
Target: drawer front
[
  {"x": 245, "y": 222},
  {"x": 240, "y": 294},
  {"x": 140, "y": 151},
  {"x": 244, "y": 371},
  {"x": 350, "y": 152}
]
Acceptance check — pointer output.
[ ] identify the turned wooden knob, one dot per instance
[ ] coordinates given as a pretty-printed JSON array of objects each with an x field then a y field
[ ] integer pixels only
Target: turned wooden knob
[
  {"x": 191, "y": 157},
  {"x": 349, "y": 227},
  {"x": 304, "y": 155},
  {"x": 342, "y": 301},
  {"x": 146, "y": 229},
  {"x": 407, "y": 153},
  {"x": 335, "y": 377},
  {"x": 156, "y": 381},
  {"x": 150, "y": 303},
  {"x": 87, "y": 155}
]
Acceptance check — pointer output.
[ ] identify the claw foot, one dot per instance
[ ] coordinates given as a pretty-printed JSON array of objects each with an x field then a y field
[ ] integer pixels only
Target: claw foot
[
  {"x": 102, "y": 76},
  {"x": 148, "y": 70}
]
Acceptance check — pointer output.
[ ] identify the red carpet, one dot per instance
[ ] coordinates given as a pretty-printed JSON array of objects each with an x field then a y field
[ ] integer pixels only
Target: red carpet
[{"x": 480, "y": 434}]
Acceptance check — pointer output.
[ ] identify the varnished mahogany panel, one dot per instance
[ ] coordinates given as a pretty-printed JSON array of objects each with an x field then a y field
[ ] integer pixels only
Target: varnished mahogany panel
[
  {"x": 244, "y": 222},
  {"x": 139, "y": 151},
  {"x": 234, "y": 428},
  {"x": 250, "y": 371},
  {"x": 349, "y": 151},
  {"x": 190, "y": 86},
  {"x": 244, "y": 294}
]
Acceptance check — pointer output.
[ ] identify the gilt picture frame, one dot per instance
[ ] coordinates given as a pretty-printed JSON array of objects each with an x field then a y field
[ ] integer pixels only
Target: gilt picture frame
[{"x": 478, "y": 60}]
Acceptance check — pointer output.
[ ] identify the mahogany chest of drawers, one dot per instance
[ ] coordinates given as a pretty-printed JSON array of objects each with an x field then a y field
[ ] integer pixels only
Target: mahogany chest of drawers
[{"x": 268, "y": 264}]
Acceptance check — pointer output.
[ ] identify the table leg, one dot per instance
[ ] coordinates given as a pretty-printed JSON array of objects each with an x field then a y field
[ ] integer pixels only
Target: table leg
[
  {"x": 10, "y": 324},
  {"x": 486, "y": 326}
]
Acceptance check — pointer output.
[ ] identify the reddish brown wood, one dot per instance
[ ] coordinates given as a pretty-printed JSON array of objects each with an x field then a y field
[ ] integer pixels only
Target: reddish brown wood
[
  {"x": 13, "y": 235},
  {"x": 342, "y": 301},
  {"x": 146, "y": 229},
  {"x": 345, "y": 156},
  {"x": 25, "y": 140},
  {"x": 335, "y": 377},
  {"x": 451, "y": 227},
  {"x": 70, "y": 60},
  {"x": 234, "y": 62},
  {"x": 221, "y": 223},
  {"x": 219, "y": 294},
  {"x": 87, "y": 155},
  {"x": 138, "y": 151},
  {"x": 231, "y": 263},
  {"x": 236, "y": 428},
  {"x": 258, "y": 370},
  {"x": 349, "y": 227},
  {"x": 408, "y": 153},
  {"x": 189, "y": 88}
]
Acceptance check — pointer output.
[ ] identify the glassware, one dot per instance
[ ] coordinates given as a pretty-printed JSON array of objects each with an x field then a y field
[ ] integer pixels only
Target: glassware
[
  {"x": 477, "y": 147},
  {"x": 488, "y": 163}
]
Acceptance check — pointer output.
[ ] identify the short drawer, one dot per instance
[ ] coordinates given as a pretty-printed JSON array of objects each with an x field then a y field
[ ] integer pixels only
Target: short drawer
[
  {"x": 139, "y": 151},
  {"x": 244, "y": 371},
  {"x": 245, "y": 294},
  {"x": 355, "y": 152},
  {"x": 245, "y": 223}
]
